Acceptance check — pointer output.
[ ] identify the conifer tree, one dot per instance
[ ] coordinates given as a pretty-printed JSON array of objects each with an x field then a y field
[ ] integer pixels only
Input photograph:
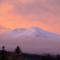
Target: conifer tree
[
  {"x": 17, "y": 50},
  {"x": 3, "y": 53}
]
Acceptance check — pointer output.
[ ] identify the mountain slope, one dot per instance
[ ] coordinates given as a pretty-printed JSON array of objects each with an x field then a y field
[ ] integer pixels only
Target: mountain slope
[{"x": 34, "y": 40}]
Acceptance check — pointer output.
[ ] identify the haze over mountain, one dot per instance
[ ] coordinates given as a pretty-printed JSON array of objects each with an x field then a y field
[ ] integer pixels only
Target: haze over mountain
[{"x": 34, "y": 40}]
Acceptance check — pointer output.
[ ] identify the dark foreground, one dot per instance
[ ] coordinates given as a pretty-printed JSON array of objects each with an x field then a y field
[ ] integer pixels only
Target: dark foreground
[{"x": 18, "y": 55}]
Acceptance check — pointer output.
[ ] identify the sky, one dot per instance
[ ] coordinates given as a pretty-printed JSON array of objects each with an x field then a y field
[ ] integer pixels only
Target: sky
[{"x": 27, "y": 13}]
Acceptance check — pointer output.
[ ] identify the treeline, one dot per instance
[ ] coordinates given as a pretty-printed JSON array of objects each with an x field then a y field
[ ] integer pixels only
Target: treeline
[
  {"x": 7, "y": 55},
  {"x": 42, "y": 57},
  {"x": 18, "y": 55}
]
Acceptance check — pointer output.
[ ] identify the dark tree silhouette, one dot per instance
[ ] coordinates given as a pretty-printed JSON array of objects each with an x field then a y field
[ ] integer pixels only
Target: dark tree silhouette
[
  {"x": 58, "y": 57},
  {"x": 3, "y": 53},
  {"x": 17, "y": 50},
  {"x": 3, "y": 48}
]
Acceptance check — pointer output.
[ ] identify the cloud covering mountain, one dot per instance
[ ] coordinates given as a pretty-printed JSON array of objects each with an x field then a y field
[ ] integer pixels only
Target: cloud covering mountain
[{"x": 34, "y": 40}]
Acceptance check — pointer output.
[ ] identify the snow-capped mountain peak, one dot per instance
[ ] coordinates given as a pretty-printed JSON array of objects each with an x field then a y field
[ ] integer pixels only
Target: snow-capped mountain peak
[{"x": 34, "y": 40}]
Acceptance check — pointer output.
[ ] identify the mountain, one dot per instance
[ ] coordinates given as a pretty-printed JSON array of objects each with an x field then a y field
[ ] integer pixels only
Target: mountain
[{"x": 34, "y": 40}]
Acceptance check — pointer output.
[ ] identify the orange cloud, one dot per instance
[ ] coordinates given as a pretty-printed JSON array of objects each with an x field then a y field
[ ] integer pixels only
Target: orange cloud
[{"x": 19, "y": 13}]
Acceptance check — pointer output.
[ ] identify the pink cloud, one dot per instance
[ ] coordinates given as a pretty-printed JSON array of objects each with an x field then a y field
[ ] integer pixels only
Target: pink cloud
[
  {"x": 3, "y": 29},
  {"x": 34, "y": 10}
]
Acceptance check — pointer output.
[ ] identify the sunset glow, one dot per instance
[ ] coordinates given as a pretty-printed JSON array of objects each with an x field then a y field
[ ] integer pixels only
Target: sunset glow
[{"x": 25, "y": 14}]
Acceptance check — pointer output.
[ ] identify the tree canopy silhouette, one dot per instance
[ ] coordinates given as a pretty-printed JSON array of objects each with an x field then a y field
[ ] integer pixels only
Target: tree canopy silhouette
[
  {"x": 3, "y": 53},
  {"x": 18, "y": 50}
]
